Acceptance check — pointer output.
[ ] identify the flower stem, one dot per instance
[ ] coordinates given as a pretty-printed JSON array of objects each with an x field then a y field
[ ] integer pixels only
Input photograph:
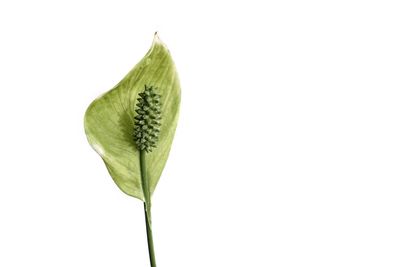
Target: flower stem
[
  {"x": 147, "y": 208},
  {"x": 149, "y": 237}
]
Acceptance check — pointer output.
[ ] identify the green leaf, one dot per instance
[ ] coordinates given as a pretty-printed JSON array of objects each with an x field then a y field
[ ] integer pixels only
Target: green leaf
[{"x": 109, "y": 121}]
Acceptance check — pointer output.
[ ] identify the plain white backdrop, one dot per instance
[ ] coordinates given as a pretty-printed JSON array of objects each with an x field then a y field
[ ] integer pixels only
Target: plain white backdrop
[{"x": 287, "y": 150}]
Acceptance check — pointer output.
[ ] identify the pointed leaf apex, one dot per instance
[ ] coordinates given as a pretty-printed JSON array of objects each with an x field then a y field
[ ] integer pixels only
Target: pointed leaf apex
[
  {"x": 156, "y": 38},
  {"x": 157, "y": 41}
]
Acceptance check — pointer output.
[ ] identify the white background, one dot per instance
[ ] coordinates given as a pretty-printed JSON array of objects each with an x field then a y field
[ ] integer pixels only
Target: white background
[{"x": 287, "y": 150}]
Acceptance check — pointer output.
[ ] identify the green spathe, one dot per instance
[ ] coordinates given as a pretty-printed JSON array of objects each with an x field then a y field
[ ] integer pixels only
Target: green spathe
[{"x": 110, "y": 120}]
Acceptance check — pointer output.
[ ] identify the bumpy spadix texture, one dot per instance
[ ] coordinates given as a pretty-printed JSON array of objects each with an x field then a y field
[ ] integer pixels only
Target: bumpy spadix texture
[
  {"x": 110, "y": 121},
  {"x": 147, "y": 122}
]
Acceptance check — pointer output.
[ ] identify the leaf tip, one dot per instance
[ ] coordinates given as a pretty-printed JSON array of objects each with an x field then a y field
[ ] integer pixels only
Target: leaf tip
[
  {"x": 157, "y": 41},
  {"x": 156, "y": 38}
]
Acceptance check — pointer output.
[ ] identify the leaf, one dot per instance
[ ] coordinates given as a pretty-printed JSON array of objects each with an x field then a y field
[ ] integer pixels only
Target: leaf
[{"x": 109, "y": 121}]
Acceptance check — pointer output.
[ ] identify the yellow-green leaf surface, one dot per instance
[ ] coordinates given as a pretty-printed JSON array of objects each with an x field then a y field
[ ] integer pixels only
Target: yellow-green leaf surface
[{"x": 109, "y": 121}]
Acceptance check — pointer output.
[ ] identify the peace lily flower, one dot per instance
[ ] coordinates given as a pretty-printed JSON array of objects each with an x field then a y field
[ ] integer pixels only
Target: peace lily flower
[{"x": 132, "y": 127}]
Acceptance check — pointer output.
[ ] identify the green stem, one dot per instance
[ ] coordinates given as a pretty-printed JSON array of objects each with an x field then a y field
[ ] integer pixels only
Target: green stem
[
  {"x": 147, "y": 208},
  {"x": 150, "y": 237}
]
